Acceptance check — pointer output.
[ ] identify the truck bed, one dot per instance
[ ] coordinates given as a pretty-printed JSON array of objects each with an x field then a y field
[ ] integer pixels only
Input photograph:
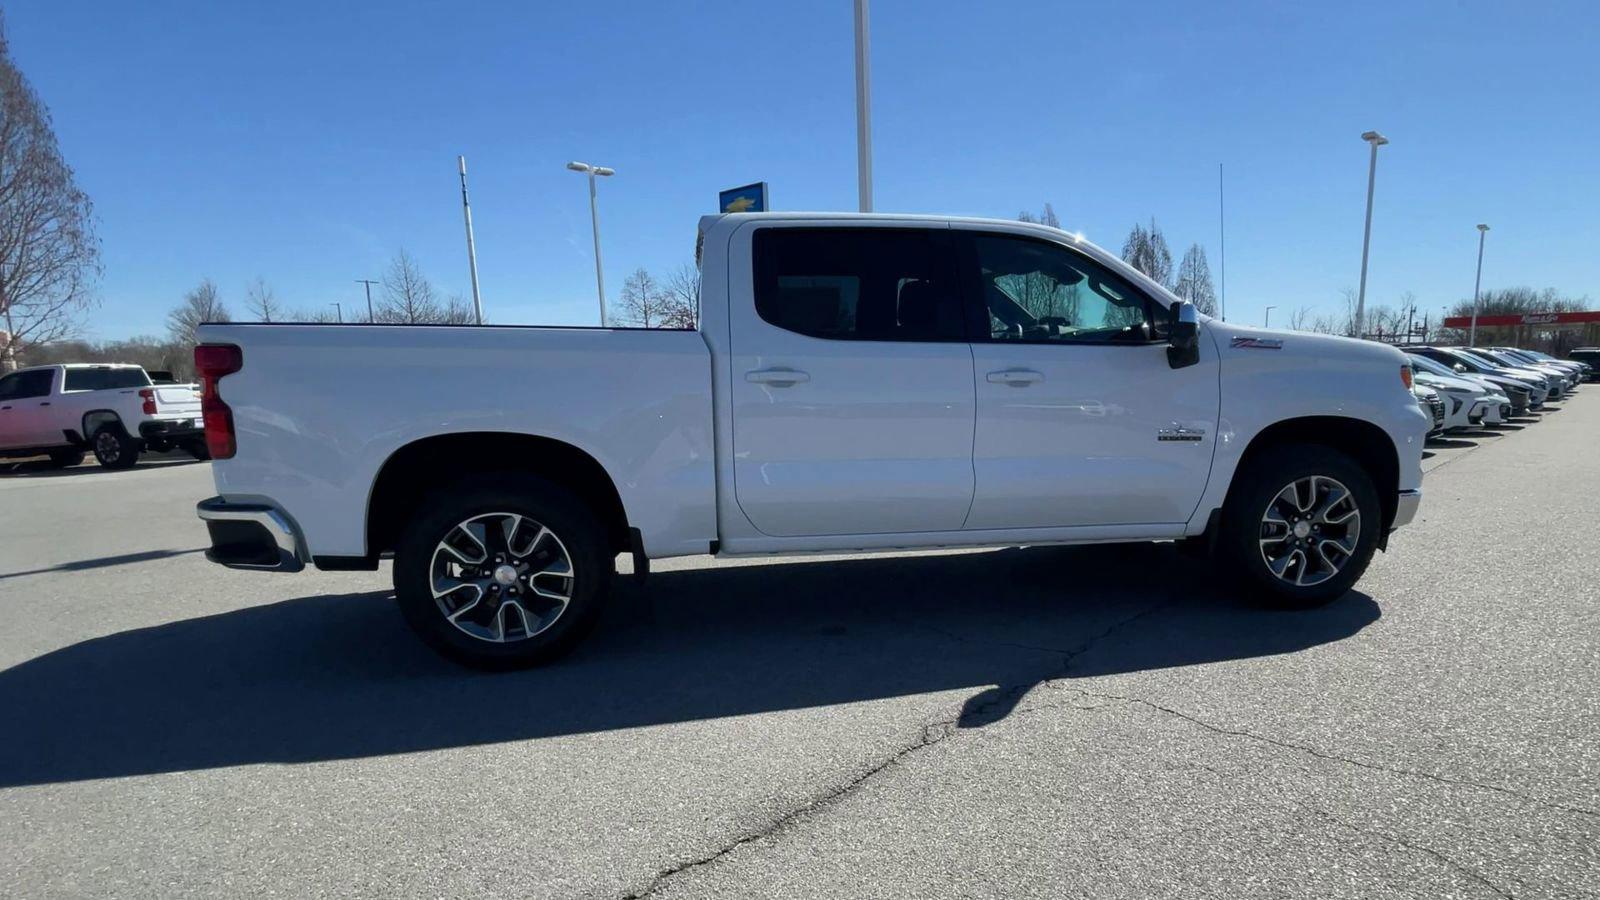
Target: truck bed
[{"x": 318, "y": 409}]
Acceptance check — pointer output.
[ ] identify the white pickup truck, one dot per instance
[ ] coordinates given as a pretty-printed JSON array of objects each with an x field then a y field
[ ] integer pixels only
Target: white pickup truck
[
  {"x": 857, "y": 383},
  {"x": 115, "y": 410}
]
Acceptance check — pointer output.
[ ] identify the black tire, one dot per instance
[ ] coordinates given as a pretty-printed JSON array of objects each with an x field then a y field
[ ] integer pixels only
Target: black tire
[
  {"x": 197, "y": 449},
  {"x": 1239, "y": 543},
  {"x": 584, "y": 540},
  {"x": 114, "y": 447},
  {"x": 61, "y": 459}
]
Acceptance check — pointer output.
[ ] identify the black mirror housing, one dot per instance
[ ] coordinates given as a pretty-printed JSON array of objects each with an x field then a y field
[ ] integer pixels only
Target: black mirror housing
[{"x": 1183, "y": 336}]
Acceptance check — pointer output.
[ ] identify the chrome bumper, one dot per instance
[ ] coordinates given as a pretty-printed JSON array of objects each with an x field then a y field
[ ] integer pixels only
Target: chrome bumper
[
  {"x": 1405, "y": 508},
  {"x": 247, "y": 535}
]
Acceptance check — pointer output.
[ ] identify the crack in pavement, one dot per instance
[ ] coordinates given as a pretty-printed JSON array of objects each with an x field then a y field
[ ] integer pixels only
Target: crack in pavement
[
  {"x": 1068, "y": 656},
  {"x": 1417, "y": 848},
  {"x": 932, "y": 733},
  {"x": 1333, "y": 757},
  {"x": 1010, "y": 695}
]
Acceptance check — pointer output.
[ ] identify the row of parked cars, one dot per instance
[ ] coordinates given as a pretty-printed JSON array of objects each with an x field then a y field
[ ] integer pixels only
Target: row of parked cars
[{"x": 1467, "y": 387}]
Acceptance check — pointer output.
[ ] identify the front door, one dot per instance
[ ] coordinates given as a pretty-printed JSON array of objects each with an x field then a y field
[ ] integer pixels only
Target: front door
[
  {"x": 1081, "y": 420},
  {"x": 851, "y": 381},
  {"x": 25, "y": 417}
]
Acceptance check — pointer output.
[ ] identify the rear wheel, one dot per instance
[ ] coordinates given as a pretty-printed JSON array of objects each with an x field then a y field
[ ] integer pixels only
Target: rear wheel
[
  {"x": 114, "y": 447},
  {"x": 1301, "y": 525},
  {"x": 502, "y": 572}
]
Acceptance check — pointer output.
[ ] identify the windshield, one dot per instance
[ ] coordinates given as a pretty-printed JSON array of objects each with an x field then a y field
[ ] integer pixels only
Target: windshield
[
  {"x": 1433, "y": 367},
  {"x": 1483, "y": 359}
]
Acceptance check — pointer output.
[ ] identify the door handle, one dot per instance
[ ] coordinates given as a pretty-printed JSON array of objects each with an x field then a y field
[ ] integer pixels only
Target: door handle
[
  {"x": 776, "y": 377},
  {"x": 44, "y": 403},
  {"x": 1016, "y": 377}
]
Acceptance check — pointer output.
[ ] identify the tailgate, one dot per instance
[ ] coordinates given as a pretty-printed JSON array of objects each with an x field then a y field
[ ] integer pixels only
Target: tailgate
[{"x": 178, "y": 399}]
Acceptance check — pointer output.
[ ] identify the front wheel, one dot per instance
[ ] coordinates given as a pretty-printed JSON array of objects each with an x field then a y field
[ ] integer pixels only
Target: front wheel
[
  {"x": 502, "y": 572},
  {"x": 114, "y": 447},
  {"x": 1301, "y": 525}
]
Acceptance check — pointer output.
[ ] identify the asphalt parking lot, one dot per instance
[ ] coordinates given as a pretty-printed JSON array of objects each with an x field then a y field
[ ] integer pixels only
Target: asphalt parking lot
[{"x": 1045, "y": 722}]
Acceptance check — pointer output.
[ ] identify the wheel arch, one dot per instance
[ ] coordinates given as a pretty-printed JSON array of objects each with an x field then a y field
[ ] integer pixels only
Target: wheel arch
[
  {"x": 95, "y": 418},
  {"x": 395, "y": 494},
  {"x": 1368, "y": 444}
]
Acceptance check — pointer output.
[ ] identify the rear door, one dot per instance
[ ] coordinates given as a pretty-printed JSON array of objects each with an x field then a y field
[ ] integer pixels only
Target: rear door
[
  {"x": 852, "y": 395},
  {"x": 1081, "y": 420}
]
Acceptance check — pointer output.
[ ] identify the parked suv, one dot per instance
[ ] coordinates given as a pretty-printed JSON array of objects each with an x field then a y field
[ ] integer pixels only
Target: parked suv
[
  {"x": 114, "y": 410},
  {"x": 1589, "y": 356}
]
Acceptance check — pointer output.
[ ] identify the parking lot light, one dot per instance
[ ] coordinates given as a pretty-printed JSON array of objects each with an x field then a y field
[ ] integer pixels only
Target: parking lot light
[
  {"x": 594, "y": 221},
  {"x": 1376, "y": 140},
  {"x": 1472, "y": 332}
]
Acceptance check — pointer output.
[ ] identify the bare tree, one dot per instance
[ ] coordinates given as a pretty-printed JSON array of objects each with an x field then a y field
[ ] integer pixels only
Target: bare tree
[
  {"x": 409, "y": 298},
  {"x": 1045, "y": 217},
  {"x": 262, "y": 302},
  {"x": 322, "y": 315},
  {"x": 642, "y": 300},
  {"x": 203, "y": 304},
  {"x": 1194, "y": 281},
  {"x": 683, "y": 298},
  {"x": 49, "y": 256},
  {"x": 457, "y": 311},
  {"x": 1300, "y": 319},
  {"x": 1146, "y": 250}
]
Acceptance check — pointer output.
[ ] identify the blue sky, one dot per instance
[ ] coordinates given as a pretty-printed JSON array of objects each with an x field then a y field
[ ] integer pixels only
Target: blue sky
[{"x": 307, "y": 142}]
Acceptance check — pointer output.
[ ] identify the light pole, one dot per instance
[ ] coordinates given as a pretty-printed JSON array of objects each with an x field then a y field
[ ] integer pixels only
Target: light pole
[
  {"x": 1472, "y": 333},
  {"x": 338, "y": 312},
  {"x": 1376, "y": 140},
  {"x": 369, "y": 283},
  {"x": 594, "y": 219},
  {"x": 1266, "y": 321},
  {"x": 472, "y": 253},
  {"x": 863, "y": 108}
]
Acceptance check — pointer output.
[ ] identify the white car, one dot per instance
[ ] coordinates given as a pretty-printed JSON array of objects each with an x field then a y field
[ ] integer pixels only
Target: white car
[
  {"x": 1466, "y": 405},
  {"x": 1509, "y": 397},
  {"x": 856, "y": 382},
  {"x": 61, "y": 411}
]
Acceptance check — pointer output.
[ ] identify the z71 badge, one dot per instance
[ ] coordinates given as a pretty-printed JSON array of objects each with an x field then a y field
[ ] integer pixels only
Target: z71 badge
[{"x": 1250, "y": 343}]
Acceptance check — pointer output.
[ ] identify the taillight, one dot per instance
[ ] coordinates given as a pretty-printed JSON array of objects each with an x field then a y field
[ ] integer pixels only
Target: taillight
[
  {"x": 1405, "y": 376},
  {"x": 211, "y": 362},
  {"x": 149, "y": 397}
]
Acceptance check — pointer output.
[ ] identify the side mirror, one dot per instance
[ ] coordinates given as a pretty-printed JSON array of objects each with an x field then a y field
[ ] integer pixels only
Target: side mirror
[
  {"x": 1183, "y": 338},
  {"x": 1460, "y": 367}
]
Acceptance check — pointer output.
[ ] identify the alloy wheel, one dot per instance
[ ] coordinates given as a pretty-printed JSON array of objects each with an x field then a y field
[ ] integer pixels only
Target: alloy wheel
[
  {"x": 501, "y": 577},
  {"x": 1309, "y": 530}
]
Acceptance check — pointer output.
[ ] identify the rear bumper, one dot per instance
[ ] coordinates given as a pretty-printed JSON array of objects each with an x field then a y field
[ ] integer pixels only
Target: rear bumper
[
  {"x": 1405, "y": 508},
  {"x": 171, "y": 429},
  {"x": 252, "y": 536}
]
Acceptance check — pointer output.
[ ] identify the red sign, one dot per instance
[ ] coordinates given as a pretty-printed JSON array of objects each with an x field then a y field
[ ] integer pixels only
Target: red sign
[{"x": 1565, "y": 318}]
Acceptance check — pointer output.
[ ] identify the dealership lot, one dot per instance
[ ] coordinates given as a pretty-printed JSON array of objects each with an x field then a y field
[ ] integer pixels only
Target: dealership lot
[{"x": 1034, "y": 722}]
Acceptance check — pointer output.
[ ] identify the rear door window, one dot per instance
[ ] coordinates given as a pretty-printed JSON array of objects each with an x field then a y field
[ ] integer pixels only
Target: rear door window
[{"x": 857, "y": 284}]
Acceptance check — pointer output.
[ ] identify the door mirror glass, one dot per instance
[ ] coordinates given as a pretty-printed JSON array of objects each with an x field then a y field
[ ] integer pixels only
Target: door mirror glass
[
  {"x": 1459, "y": 367},
  {"x": 1183, "y": 339}
]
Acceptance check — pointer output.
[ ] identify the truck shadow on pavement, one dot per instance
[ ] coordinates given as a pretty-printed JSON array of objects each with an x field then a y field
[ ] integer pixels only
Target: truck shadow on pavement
[
  {"x": 339, "y": 677},
  {"x": 43, "y": 469}
]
